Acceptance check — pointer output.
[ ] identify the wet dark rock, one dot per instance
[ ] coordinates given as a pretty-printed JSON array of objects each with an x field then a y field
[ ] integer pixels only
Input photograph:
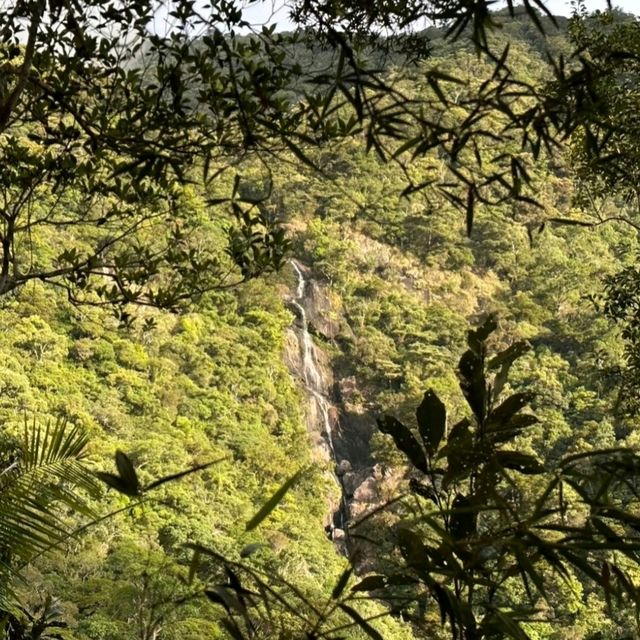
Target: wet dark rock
[
  {"x": 344, "y": 466},
  {"x": 339, "y": 426}
]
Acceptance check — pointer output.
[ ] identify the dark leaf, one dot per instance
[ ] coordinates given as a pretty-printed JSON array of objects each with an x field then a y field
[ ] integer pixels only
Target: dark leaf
[
  {"x": 127, "y": 473},
  {"x": 412, "y": 548},
  {"x": 361, "y": 622},
  {"x": 462, "y": 521},
  {"x": 504, "y": 412},
  {"x": 116, "y": 482},
  {"x": 521, "y": 462},
  {"x": 272, "y": 503},
  {"x": 423, "y": 490},
  {"x": 571, "y": 222},
  {"x": 342, "y": 583},
  {"x": 503, "y": 361},
  {"x": 432, "y": 420},
  {"x": 181, "y": 474},
  {"x": 370, "y": 583},
  {"x": 472, "y": 383},
  {"x": 405, "y": 441}
]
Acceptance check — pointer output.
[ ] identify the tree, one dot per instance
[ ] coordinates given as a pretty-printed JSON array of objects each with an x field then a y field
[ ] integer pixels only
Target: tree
[
  {"x": 607, "y": 159},
  {"x": 489, "y": 542},
  {"x": 103, "y": 133},
  {"x": 109, "y": 110},
  {"x": 104, "y": 117},
  {"x": 42, "y": 477},
  {"x": 488, "y": 547}
]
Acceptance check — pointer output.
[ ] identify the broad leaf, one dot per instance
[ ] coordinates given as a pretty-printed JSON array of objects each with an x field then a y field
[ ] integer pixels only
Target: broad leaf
[
  {"x": 432, "y": 419},
  {"x": 127, "y": 473},
  {"x": 508, "y": 409},
  {"x": 405, "y": 441},
  {"x": 472, "y": 383},
  {"x": 462, "y": 519},
  {"x": 370, "y": 583},
  {"x": 521, "y": 462}
]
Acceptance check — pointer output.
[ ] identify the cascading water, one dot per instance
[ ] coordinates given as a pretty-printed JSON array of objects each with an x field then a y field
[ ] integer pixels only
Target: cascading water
[
  {"x": 310, "y": 370},
  {"x": 315, "y": 386}
]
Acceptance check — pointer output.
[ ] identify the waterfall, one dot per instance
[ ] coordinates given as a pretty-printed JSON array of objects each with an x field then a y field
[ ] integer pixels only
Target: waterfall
[
  {"x": 343, "y": 443},
  {"x": 310, "y": 371}
]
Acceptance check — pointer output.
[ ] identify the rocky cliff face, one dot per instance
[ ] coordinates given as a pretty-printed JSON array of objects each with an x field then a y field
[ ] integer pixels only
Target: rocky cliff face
[{"x": 339, "y": 429}]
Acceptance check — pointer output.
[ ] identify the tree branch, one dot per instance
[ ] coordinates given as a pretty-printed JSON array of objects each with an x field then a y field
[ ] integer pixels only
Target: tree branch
[{"x": 7, "y": 108}]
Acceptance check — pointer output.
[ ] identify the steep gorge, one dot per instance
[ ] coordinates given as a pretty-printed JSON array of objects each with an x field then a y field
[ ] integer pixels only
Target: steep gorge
[{"x": 338, "y": 437}]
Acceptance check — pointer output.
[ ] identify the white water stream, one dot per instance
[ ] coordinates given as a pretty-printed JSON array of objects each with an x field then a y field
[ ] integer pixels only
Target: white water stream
[{"x": 310, "y": 371}]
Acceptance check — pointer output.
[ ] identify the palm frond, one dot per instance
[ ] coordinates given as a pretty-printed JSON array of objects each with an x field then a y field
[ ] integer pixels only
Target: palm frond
[{"x": 40, "y": 492}]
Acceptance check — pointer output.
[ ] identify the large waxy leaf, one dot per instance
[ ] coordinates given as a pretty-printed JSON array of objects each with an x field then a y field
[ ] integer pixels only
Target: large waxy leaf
[
  {"x": 513, "y": 428},
  {"x": 413, "y": 549},
  {"x": 405, "y": 441},
  {"x": 462, "y": 521},
  {"x": 432, "y": 420},
  {"x": 501, "y": 414},
  {"x": 522, "y": 462},
  {"x": 477, "y": 337},
  {"x": 472, "y": 383},
  {"x": 460, "y": 453},
  {"x": 503, "y": 362}
]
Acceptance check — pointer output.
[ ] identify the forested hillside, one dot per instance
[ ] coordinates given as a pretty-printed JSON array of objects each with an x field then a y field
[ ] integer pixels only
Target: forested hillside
[{"x": 252, "y": 346}]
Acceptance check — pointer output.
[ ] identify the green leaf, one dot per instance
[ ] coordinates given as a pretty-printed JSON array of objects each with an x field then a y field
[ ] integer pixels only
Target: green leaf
[
  {"x": 505, "y": 411},
  {"x": 432, "y": 420},
  {"x": 476, "y": 337},
  {"x": 405, "y": 441},
  {"x": 513, "y": 428},
  {"x": 502, "y": 622},
  {"x": 460, "y": 452},
  {"x": 412, "y": 548},
  {"x": 503, "y": 361},
  {"x": 472, "y": 383},
  {"x": 116, "y": 482},
  {"x": 272, "y": 503}
]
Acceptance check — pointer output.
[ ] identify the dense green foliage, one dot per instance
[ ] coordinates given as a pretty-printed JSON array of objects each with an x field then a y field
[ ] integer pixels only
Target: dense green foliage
[{"x": 128, "y": 190}]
